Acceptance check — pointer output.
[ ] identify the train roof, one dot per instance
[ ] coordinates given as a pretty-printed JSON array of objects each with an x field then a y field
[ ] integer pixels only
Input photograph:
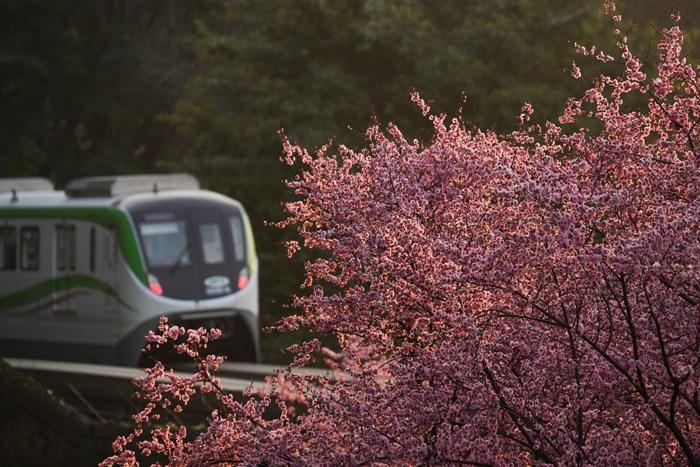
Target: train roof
[
  {"x": 107, "y": 191},
  {"x": 119, "y": 185},
  {"x": 13, "y": 185}
]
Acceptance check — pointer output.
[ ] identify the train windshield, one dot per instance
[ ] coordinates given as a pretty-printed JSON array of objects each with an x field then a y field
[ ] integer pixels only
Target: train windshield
[
  {"x": 165, "y": 243},
  {"x": 194, "y": 249}
]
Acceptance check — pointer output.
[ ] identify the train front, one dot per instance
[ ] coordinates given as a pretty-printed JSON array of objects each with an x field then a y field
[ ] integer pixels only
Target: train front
[{"x": 200, "y": 266}]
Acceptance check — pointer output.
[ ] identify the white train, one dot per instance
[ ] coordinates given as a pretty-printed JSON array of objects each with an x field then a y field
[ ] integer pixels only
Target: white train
[{"x": 86, "y": 272}]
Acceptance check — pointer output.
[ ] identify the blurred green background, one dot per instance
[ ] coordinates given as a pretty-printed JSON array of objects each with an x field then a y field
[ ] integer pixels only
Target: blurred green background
[{"x": 92, "y": 87}]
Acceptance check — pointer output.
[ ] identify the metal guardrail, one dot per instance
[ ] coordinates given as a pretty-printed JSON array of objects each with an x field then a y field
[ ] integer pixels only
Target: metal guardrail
[
  {"x": 106, "y": 392},
  {"x": 119, "y": 373},
  {"x": 261, "y": 370}
]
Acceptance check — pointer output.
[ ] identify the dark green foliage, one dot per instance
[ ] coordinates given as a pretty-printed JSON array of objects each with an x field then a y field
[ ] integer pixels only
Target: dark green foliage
[{"x": 82, "y": 84}]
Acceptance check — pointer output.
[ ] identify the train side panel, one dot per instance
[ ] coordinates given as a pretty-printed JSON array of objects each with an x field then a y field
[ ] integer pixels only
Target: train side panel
[{"x": 62, "y": 291}]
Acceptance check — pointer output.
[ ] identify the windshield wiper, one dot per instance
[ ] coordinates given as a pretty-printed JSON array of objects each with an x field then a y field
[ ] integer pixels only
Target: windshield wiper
[{"x": 179, "y": 259}]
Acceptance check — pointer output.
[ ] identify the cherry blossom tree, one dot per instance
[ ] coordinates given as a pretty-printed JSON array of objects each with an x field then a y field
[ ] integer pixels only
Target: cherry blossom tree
[{"x": 522, "y": 299}]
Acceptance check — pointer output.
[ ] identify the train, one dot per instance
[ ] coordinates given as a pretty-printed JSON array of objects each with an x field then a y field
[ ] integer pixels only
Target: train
[{"x": 87, "y": 271}]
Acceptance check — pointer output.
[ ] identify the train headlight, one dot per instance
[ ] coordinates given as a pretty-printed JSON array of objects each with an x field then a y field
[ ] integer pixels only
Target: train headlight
[
  {"x": 243, "y": 278},
  {"x": 154, "y": 285}
]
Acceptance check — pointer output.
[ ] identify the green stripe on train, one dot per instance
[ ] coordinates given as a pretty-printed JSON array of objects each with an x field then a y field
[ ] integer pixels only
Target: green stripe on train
[
  {"x": 105, "y": 216},
  {"x": 250, "y": 242},
  {"x": 56, "y": 285}
]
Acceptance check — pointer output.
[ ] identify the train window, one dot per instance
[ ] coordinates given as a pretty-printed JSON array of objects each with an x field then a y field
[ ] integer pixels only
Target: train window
[
  {"x": 92, "y": 249},
  {"x": 65, "y": 247},
  {"x": 212, "y": 247},
  {"x": 238, "y": 238},
  {"x": 29, "y": 248},
  {"x": 165, "y": 243},
  {"x": 8, "y": 248}
]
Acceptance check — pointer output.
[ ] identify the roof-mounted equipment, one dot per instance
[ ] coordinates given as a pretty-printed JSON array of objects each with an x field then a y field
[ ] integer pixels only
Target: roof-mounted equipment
[
  {"x": 118, "y": 185},
  {"x": 14, "y": 185}
]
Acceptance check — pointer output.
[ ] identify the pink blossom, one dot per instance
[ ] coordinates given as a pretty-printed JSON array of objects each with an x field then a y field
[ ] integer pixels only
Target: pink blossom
[
  {"x": 575, "y": 71},
  {"x": 526, "y": 113},
  {"x": 522, "y": 299}
]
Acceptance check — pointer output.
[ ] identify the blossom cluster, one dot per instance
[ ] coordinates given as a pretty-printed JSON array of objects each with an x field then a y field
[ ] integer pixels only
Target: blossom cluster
[{"x": 522, "y": 299}]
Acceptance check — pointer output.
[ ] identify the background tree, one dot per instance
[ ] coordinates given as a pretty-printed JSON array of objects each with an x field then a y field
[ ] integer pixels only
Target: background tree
[
  {"x": 531, "y": 298},
  {"x": 84, "y": 82}
]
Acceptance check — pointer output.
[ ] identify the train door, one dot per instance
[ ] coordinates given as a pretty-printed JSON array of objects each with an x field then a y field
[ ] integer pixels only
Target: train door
[
  {"x": 64, "y": 267},
  {"x": 13, "y": 325},
  {"x": 34, "y": 274},
  {"x": 8, "y": 260},
  {"x": 108, "y": 257}
]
